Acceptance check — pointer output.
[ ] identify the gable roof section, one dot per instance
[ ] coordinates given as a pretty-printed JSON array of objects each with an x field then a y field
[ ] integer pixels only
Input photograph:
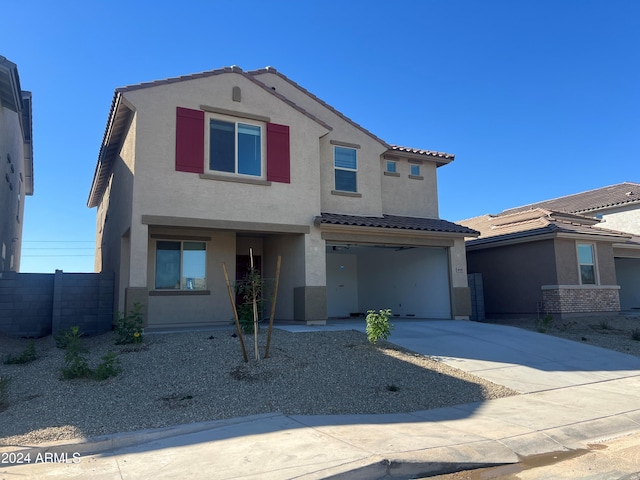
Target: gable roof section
[
  {"x": 120, "y": 115},
  {"x": 441, "y": 156},
  {"x": 601, "y": 198},
  {"x": 395, "y": 222}
]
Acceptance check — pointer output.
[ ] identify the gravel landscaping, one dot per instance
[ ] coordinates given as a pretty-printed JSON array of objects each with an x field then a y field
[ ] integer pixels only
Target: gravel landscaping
[
  {"x": 180, "y": 378},
  {"x": 189, "y": 377}
]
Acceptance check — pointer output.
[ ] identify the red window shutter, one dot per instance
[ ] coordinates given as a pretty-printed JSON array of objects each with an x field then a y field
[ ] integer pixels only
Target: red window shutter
[
  {"x": 278, "y": 157},
  {"x": 189, "y": 140}
]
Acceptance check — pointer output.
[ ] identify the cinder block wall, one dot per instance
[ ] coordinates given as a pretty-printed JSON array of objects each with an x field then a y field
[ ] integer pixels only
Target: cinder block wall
[
  {"x": 26, "y": 301},
  {"x": 35, "y": 305}
]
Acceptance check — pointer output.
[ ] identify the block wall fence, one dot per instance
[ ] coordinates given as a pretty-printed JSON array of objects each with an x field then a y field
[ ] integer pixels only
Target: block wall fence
[{"x": 39, "y": 304}]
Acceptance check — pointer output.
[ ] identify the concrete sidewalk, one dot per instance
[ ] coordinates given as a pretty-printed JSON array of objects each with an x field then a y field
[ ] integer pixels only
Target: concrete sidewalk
[{"x": 573, "y": 394}]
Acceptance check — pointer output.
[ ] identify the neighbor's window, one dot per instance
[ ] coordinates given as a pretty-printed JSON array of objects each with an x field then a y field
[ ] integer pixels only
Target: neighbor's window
[
  {"x": 391, "y": 167},
  {"x": 181, "y": 265},
  {"x": 235, "y": 147},
  {"x": 415, "y": 170},
  {"x": 346, "y": 166},
  {"x": 587, "y": 264}
]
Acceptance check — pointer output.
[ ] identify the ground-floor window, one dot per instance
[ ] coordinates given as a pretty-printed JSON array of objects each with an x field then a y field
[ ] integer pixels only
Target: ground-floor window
[
  {"x": 181, "y": 265},
  {"x": 587, "y": 264}
]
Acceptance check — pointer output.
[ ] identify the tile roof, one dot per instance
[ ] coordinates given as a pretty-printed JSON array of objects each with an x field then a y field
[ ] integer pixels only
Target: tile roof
[
  {"x": 592, "y": 200},
  {"x": 428, "y": 153},
  {"x": 395, "y": 222},
  {"x": 531, "y": 223}
]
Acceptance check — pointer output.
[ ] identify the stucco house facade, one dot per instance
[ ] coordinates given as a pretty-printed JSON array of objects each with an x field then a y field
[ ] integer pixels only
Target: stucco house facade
[
  {"x": 195, "y": 171},
  {"x": 16, "y": 163},
  {"x": 573, "y": 255}
]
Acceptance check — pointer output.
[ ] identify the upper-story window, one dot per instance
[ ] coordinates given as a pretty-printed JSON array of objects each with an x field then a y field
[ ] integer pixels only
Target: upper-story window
[
  {"x": 392, "y": 167},
  {"x": 587, "y": 264},
  {"x": 235, "y": 147},
  {"x": 346, "y": 168},
  {"x": 223, "y": 145},
  {"x": 415, "y": 170}
]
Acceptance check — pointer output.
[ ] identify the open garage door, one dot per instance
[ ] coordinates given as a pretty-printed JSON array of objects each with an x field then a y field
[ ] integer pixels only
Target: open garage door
[
  {"x": 411, "y": 281},
  {"x": 628, "y": 277}
]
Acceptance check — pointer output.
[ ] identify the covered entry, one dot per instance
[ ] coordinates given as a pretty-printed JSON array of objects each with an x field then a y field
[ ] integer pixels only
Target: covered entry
[
  {"x": 410, "y": 280},
  {"x": 628, "y": 277}
]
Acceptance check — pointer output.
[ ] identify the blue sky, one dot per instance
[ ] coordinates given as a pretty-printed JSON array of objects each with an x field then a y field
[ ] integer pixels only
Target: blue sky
[{"x": 537, "y": 99}]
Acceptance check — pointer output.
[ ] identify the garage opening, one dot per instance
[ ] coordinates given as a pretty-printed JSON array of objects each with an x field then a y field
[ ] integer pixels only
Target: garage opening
[
  {"x": 628, "y": 277},
  {"x": 411, "y": 281}
]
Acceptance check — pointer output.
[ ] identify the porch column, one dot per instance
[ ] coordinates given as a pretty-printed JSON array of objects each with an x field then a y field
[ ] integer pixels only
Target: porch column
[{"x": 461, "y": 295}]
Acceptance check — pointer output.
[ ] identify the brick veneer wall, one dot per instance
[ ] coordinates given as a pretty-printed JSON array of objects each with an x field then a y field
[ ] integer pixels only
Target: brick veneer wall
[
  {"x": 561, "y": 299},
  {"x": 38, "y": 304}
]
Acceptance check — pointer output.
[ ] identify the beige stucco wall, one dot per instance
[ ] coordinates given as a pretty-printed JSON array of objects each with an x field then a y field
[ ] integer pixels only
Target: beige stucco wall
[
  {"x": 623, "y": 219},
  {"x": 402, "y": 195},
  {"x": 184, "y": 308},
  {"x": 11, "y": 143},
  {"x": 191, "y": 196}
]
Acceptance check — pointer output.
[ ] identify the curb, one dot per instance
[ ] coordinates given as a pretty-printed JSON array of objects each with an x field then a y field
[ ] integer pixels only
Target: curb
[{"x": 95, "y": 445}]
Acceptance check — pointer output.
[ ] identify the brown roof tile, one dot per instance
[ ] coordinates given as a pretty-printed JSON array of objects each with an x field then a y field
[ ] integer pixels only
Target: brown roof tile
[
  {"x": 417, "y": 151},
  {"x": 395, "y": 222},
  {"x": 592, "y": 200}
]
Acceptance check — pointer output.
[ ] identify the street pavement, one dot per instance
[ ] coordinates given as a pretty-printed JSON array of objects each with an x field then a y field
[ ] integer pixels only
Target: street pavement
[{"x": 573, "y": 396}]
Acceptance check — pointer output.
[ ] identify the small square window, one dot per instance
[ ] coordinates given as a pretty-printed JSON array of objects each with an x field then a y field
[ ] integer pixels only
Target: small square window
[
  {"x": 415, "y": 170},
  {"x": 392, "y": 167}
]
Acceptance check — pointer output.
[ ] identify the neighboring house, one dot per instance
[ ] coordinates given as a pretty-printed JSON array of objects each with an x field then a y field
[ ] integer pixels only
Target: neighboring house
[
  {"x": 196, "y": 170},
  {"x": 16, "y": 163},
  {"x": 571, "y": 255}
]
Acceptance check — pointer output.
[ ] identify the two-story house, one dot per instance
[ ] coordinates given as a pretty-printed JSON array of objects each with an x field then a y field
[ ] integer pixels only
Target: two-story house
[
  {"x": 16, "y": 163},
  {"x": 195, "y": 171}
]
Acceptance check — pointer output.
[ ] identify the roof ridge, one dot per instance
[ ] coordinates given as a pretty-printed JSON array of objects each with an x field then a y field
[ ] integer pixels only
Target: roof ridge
[
  {"x": 568, "y": 196},
  {"x": 269, "y": 69}
]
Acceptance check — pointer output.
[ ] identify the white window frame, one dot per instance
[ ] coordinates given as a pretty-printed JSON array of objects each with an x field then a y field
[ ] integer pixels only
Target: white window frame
[
  {"x": 596, "y": 276},
  {"x": 394, "y": 165},
  {"x": 345, "y": 169},
  {"x": 235, "y": 122},
  {"x": 183, "y": 285}
]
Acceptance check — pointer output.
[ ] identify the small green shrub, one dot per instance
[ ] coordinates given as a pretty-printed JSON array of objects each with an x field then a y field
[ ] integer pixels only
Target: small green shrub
[
  {"x": 604, "y": 325},
  {"x": 75, "y": 361},
  {"x": 635, "y": 334},
  {"x": 245, "y": 289},
  {"x": 392, "y": 387},
  {"x": 543, "y": 324},
  {"x": 110, "y": 367},
  {"x": 4, "y": 387},
  {"x": 129, "y": 326},
  {"x": 378, "y": 325},
  {"x": 27, "y": 356},
  {"x": 245, "y": 317}
]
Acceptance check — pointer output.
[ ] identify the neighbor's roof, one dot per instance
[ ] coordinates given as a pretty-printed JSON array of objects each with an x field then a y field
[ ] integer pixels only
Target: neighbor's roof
[
  {"x": 533, "y": 223},
  {"x": 583, "y": 202},
  {"x": 120, "y": 116},
  {"x": 395, "y": 222}
]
